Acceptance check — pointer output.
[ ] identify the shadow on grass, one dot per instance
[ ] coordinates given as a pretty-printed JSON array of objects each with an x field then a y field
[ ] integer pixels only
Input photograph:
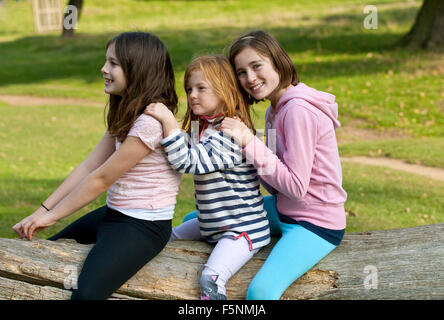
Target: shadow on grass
[{"x": 49, "y": 57}]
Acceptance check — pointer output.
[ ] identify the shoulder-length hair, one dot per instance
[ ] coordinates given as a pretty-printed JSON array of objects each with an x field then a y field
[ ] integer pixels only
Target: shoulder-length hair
[
  {"x": 149, "y": 75},
  {"x": 218, "y": 72},
  {"x": 267, "y": 46}
]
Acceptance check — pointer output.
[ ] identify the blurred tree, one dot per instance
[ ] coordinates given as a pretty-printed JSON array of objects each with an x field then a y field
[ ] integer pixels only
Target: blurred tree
[
  {"x": 428, "y": 30},
  {"x": 68, "y": 30}
]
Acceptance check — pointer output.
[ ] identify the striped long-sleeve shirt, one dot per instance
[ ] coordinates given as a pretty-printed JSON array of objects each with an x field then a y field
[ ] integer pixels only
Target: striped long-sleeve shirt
[{"x": 227, "y": 195}]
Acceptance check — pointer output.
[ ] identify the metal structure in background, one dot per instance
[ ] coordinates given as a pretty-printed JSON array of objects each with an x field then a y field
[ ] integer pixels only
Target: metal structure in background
[{"x": 48, "y": 15}]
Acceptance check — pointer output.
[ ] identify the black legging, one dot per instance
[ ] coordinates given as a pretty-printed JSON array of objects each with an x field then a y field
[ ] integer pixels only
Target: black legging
[{"x": 123, "y": 245}]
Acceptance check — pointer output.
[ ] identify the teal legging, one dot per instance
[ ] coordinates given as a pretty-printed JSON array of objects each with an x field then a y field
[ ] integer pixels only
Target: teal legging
[{"x": 296, "y": 252}]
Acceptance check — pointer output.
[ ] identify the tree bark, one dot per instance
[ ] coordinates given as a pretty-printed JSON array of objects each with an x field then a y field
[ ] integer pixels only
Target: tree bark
[
  {"x": 388, "y": 264},
  {"x": 428, "y": 30},
  {"x": 69, "y": 32}
]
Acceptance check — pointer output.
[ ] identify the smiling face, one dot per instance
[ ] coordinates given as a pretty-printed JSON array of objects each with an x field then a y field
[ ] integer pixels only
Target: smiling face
[
  {"x": 115, "y": 81},
  {"x": 257, "y": 75},
  {"x": 201, "y": 97}
]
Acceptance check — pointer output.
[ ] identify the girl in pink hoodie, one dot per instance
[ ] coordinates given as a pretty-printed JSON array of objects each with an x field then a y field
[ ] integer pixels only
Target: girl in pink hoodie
[{"x": 299, "y": 165}]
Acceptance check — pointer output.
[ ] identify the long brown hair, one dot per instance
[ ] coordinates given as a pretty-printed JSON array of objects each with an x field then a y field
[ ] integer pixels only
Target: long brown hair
[
  {"x": 267, "y": 46},
  {"x": 150, "y": 78},
  {"x": 218, "y": 72}
]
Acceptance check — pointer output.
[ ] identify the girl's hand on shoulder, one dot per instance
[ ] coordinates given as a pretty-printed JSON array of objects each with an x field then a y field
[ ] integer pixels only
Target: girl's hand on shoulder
[
  {"x": 31, "y": 225},
  {"x": 159, "y": 111},
  {"x": 238, "y": 130}
]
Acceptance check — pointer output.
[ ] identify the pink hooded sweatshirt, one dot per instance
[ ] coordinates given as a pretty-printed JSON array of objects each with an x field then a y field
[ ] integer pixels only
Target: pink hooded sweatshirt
[{"x": 305, "y": 171}]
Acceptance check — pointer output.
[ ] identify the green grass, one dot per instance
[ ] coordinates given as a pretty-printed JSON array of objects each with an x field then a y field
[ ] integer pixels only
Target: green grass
[
  {"x": 377, "y": 84},
  {"x": 380, "y": 198},
  {"x": 40, "y": 146}
]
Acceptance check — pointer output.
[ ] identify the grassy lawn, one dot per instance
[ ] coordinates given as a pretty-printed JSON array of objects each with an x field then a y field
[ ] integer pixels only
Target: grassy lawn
[
  {"x": 379, "y": 88},
  {"x": 380, "y": 198}
]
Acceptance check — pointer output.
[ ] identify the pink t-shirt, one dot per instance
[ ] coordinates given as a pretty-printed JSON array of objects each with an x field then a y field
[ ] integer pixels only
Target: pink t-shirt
[{"x": 151, "y": 183}]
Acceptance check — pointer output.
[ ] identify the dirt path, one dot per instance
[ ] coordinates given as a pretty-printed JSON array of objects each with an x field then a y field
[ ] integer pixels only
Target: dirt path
[
  {"x": 431, "y": 172},
  {"x": 353, "y": 132},
  {"x": 32, "y": 101}
]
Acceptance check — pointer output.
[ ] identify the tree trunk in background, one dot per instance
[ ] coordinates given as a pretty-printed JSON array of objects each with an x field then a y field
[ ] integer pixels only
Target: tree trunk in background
[
  {"x": 428, "y": 30},
  {"x": 69, "y": 32}
]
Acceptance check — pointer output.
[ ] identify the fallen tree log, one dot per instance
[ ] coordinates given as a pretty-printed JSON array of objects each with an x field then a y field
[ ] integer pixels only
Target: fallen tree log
[{"x": 388, "y": 264}]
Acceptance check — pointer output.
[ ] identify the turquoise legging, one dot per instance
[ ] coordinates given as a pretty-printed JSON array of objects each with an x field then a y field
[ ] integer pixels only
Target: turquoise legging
[{"x": 296, "y": 252}]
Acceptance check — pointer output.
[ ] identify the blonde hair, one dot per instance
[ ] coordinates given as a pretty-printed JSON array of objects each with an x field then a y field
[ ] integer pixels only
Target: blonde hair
[{"x": 218, "y": 72}]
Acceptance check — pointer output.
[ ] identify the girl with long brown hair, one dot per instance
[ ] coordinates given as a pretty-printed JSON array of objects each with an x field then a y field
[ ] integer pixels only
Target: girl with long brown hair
[
  {"x": 229, "y": 204},
  {"x": 128, "y": 161}
]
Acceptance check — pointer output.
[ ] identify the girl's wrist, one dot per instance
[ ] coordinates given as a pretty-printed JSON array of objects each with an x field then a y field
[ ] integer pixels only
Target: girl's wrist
[
  {"x": 247, "y": 137},
  {"x": 169, "y": 127},
  {"x": 40, "y": 210},
  {"x": 53, "y": 215}
]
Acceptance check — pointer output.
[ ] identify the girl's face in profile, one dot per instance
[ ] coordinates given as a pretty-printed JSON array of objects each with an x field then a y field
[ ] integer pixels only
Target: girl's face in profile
[
  {"x": 256, "y": 74},
  {"x": 201, "y": 97},
  {"x": 115, "y": 81}
]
